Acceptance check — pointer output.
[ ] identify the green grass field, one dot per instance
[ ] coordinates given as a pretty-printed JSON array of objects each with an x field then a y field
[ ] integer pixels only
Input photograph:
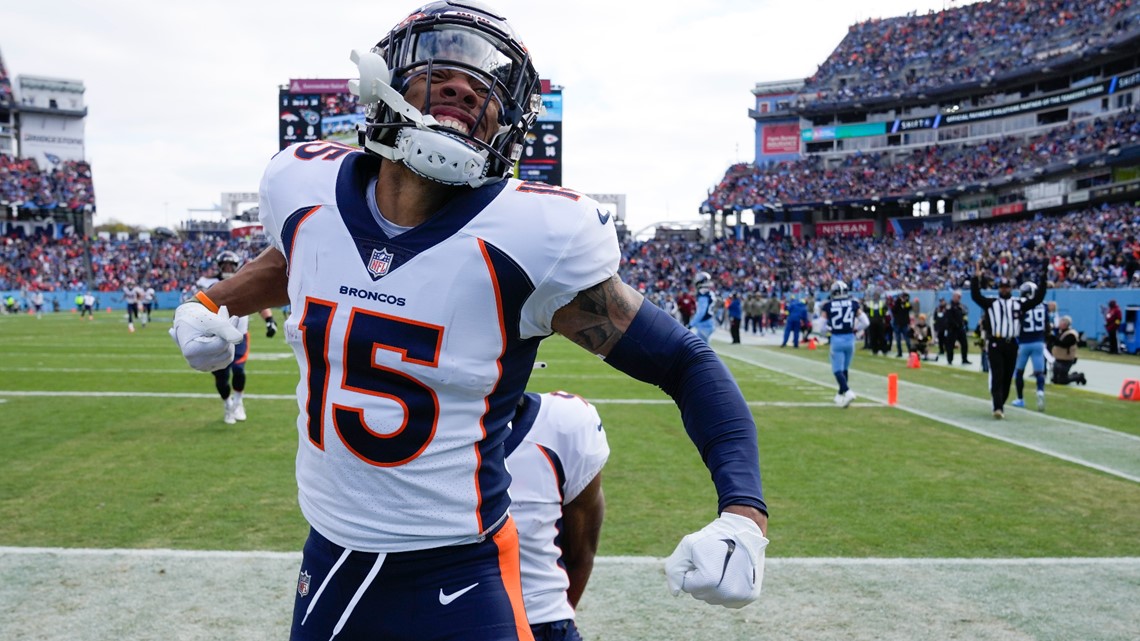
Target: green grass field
[{"x": 108, "y": 447}]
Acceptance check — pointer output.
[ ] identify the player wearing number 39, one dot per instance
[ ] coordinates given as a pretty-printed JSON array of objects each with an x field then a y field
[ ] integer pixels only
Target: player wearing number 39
[
  {"x": 421, "y": 280},
  {"x": 1031, "y": 346}
]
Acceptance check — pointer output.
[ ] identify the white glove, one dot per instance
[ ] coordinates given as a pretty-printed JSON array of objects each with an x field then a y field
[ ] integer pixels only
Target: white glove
[
  {"x": 723, "y": 564},
  {"x": 206, "y": 339}
]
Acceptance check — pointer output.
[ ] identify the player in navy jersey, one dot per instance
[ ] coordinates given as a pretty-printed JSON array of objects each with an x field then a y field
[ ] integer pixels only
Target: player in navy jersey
[
  {"x": 704, "y": 319},
  {"x": 840, "y": 312},
  {"x": 421, "y": 280},
  {"x": 1031, "y": 346}
]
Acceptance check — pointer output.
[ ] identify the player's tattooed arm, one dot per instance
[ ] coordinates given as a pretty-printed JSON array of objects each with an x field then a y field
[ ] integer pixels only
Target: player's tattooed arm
[
  {"x": 597, "y": 317},
  {"x": 262, "y": 282}
]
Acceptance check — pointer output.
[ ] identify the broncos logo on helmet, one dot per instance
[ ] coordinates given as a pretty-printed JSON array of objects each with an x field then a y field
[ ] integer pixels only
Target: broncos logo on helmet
[
  {"x": 464, "y": 36},
  {"x": 228, "y": 263}
]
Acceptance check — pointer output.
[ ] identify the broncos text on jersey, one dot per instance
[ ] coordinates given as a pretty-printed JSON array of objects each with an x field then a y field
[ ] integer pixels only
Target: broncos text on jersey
[{"x": 405, "y": 392}]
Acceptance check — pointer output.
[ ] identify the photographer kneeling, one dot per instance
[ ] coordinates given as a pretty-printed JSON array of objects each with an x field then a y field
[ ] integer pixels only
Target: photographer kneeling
[{"x": 1064, "y": 350}]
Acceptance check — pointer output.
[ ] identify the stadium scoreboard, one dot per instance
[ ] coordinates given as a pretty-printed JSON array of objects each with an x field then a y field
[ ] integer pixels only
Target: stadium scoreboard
[
  {"x": 324, "y": 109},
  {"x": 317, "y": 109}
]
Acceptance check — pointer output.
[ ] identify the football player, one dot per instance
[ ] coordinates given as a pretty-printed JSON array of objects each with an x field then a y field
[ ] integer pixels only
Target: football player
[
  {"x": 132, "y": 297},
  {"x": 230, "y": 379},
  {"x": 704, "y": 319},
  {"x": 555, "y": 452},
  {"x": 147, "y": 304},
  {"x": 421, "y": 279},
  {"x": 841, "y": 312},
  {"x": 1031, "y": 346}
]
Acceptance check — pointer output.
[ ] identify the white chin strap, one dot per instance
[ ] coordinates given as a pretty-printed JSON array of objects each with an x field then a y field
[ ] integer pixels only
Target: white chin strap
[{"x": 430, "y": 153}]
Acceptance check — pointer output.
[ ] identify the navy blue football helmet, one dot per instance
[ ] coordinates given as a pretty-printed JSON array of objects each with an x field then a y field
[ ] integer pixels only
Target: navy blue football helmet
[{"x": 449, "y": 35}]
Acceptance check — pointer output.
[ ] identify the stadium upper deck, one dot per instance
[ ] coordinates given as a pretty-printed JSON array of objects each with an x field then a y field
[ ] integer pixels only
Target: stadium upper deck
[
  {"x": 994, "y": 108},
  {"x": 995, "y": 43}
]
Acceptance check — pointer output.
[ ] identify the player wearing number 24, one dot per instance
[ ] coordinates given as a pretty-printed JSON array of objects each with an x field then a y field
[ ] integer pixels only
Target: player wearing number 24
[{"x": 421, "y": 279}]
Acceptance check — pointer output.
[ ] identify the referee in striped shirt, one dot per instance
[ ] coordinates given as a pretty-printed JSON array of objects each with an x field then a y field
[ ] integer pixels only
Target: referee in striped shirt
[{"x": 1004, "y": 316}]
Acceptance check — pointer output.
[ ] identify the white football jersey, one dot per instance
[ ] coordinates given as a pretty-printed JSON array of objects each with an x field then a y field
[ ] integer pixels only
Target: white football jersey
[
  {"x": 564, "y": 449},
  {"x": 132, "y": 294},
  {"x": 414, "y": 350},
  {"x": 206, "y": 282}
]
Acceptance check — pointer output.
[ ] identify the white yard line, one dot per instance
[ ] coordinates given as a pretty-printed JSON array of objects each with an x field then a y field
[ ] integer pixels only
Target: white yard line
[
  {"x": 291, "y": 397},
  {"x": 1091, "y": 446}
]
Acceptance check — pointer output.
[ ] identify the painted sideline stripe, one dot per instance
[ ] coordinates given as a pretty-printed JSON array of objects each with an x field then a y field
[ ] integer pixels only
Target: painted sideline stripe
[
  {"x": 104, "y": 370},
  {"x": 272, "y": 397},
  {"x": 604, "y": 560},
  {"x": 293, "y": 397},
  {"x": 963, "y": 426}
]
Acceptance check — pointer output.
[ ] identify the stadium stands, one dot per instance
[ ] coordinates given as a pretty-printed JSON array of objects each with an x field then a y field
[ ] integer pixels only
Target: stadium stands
[
  {"x": 67, "y": 186},
  {"x": 862, "y": 176},
  {"x": 1092, "y": 248},
  {"x": 987, "y": 42}
]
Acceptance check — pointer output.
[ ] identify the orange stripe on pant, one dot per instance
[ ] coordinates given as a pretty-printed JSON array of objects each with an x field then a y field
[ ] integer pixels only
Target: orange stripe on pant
[{"x": 507, "y": 540}]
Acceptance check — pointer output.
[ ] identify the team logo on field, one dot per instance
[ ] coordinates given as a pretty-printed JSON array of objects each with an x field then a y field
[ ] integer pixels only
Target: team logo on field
[
  {"x": 303, "y": 583},
  {"x": 380, "y": 262}
]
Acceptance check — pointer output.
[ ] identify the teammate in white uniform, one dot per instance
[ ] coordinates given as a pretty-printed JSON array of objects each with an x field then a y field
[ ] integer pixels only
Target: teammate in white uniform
[
  {"x": 148, "y": 304},
  {"x": 230, "y": 379},
  {"x": 556, "y": 452},
  {"x": 420, "y": 282},
  {"x": 132, "y": 296}
]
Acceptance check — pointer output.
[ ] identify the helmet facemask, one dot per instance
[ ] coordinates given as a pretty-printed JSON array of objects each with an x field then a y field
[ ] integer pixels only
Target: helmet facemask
[{"x": 445, "y": 38}]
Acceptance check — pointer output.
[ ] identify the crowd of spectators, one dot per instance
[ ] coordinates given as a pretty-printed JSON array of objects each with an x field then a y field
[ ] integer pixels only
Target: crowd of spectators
[
  {"x": 67, "y": 185},
  {"x": 908, "y": 55},
  {"x": 340, "y": 104},
  {"x": 1093, "y": 248},
  {"x": 941, "y": 167},
  {"x": 72, "y": 264}
]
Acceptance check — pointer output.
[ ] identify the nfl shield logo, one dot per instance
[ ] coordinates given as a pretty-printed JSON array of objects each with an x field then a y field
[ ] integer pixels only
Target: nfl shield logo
[
  {"x": 380, "y": 262},
  {"x": 303, "y": 583}
]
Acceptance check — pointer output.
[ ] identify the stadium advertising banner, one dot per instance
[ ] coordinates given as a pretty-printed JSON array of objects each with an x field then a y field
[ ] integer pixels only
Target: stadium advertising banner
[
  {"x": 902, "y": 125},
  {"x": 311, "y": 109},
  {"x": 863, "y": 227},
  {"x": 1056, "y": 100},
  {"x": 776, "y": 231},
  {"x": 541, "y": 159},
  {"x": 780, "y": 139},
  {"x": 904, "y": 226},
  {"x": 50, "y": 139},
  {"x": 839, "y": 132},
  {"x": 1007, "y": 210}
]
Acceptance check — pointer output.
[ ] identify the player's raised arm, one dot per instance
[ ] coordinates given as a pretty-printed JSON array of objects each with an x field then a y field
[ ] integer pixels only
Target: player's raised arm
[
  {"x": 611, "y": 319},
  {"x": 203, "y": 328},
  {"x": 260, "y": 284}
]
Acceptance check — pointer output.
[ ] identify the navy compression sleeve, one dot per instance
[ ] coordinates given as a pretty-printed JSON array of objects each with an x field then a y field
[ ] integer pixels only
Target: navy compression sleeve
[{"x": 656, "y": 349}]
